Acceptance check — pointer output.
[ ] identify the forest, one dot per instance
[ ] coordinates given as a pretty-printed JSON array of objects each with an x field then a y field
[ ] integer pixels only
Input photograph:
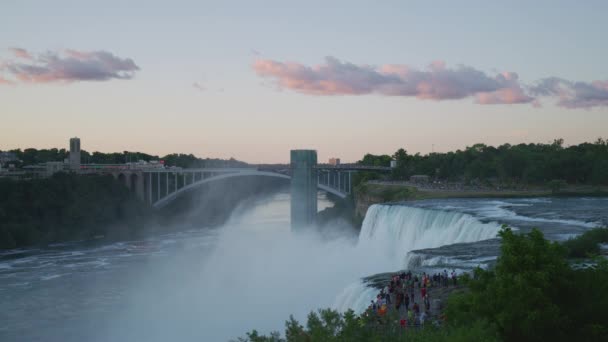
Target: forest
[
  {"x": 67, "y": 207},
  {"x": 585, "y": 163},
  {"x": 32, "y": 156}
]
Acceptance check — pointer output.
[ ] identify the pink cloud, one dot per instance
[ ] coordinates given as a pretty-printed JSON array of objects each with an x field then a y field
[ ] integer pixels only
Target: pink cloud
[
  {"x": 68, "y": 66},
  {"x": 437, "y": 82},
  {"x": 573, "y": 95},
  {"x": 512, "y": 93},
  {"x": 5, "y": 81},
  {"x": 21, "y": 53}
]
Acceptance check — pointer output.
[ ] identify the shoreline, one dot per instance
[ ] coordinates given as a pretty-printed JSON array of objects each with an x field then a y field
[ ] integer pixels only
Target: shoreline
[{"x": 375, "y": 192}]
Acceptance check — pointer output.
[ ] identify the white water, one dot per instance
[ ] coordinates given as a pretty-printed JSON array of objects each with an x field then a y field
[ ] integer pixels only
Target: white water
[
  {"x": 396, "y": 230},
  {"x": 390, "y": 232}
]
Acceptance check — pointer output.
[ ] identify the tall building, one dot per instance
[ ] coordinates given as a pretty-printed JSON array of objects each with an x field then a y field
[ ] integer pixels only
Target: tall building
[{"x": 74, "y": 154}]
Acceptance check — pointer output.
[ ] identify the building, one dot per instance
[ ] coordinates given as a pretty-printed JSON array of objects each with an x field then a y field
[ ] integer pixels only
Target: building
[
  {"x": 53, "y": 167},
  {"x": 393, "y": 164},
  {"x": 334, "y": 161},
  {"x": 74, "y": 154},
  {"x": 7, "y": 157}
]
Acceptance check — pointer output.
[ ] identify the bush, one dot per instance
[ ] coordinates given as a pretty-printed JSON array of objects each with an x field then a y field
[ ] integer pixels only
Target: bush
[{"x": 587, "y": 244}]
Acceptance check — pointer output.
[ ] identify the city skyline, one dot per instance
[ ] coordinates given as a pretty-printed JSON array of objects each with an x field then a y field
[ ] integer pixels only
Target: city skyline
[{"x": 237, "y": 80}]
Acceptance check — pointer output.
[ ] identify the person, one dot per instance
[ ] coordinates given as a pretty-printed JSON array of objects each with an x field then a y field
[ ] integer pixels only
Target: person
[
  {"x": 416, "y": 308},
  {"x": 454, "y": 277},
  {"x": 382, "y": 310},
  {"x": 406, "y": 301},
  {"x": 410, "y": 316},
  {"x": 423, "y": 318},
  {"x": 423, "y": 292},
  {"x": 398, "y": 298}
]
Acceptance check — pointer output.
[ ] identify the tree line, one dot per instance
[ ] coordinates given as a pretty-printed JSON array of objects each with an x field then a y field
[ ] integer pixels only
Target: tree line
[
  {"x": 585, "y": 163},
  {"x": 32, "y": 156},
  {"x": 67, "y": 207}
]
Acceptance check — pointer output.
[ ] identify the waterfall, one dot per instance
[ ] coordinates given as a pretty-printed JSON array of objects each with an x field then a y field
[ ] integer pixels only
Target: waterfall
[
  {"x": 395, "y": 230},
  {"x": 390, "y": 232}
]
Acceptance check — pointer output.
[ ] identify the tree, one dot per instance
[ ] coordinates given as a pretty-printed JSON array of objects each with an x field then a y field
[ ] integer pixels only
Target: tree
[{"x": 556, "y": 185}]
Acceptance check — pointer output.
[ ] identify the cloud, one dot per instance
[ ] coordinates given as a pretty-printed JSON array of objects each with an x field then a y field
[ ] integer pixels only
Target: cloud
[
  {"x": 5, "y": 81},
  {"x": 21, "y": 53},
  {"x": 68, "y": 66},
  {"x": 511, "y": 92},
  {"x": 437, "y": 82},
  {"x": 573, "y": 94},
  {"x": 198, "y": 86}
]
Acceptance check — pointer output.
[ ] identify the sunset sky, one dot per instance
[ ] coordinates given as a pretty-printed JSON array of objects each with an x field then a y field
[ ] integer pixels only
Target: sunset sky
[{"x": 254, "y": 79}]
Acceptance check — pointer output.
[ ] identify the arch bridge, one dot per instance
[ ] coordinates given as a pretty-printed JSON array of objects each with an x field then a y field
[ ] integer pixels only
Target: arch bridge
[{"x": 161, "y": 186}]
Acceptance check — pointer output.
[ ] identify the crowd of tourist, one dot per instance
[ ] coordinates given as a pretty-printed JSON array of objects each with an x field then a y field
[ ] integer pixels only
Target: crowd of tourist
[{"x": 409, "y": 296}]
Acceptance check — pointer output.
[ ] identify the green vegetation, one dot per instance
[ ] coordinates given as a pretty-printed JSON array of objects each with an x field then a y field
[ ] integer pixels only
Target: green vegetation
[
  {"x": 329, "y": 325},
  {"x": 532, "y": 294},
  {"x": 522, "y": 164},
  {"x": 31, "y": 156},
  {"x": 67, "y": 207},
  {"x": 588, "y": 244}
]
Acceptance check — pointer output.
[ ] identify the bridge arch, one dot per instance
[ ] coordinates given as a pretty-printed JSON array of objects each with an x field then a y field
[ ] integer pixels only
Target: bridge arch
[
  {"x": 122, "y": 178},
  {"x": 174, "y": 195},
  {"x": 133, "y": 178}
]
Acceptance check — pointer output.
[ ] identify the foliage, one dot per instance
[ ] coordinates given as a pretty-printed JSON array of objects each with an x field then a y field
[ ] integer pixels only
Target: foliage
[
  {"x": 587, "y": 244},
  {"x": 533, "y": 295},
  {"x": 32, "y": 156},
  {"x": 190, "y": 161},
  {"x": 329, "y": 325},
  {"x": 556, "y": 185},
  {"x": 393, "y": 194},
  {"x": 586, "y": 163},
  {"x": 66, "y": 207}
]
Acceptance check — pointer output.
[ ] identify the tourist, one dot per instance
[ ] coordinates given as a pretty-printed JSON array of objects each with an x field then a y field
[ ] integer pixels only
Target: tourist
[{"x": 422, "y": 318}]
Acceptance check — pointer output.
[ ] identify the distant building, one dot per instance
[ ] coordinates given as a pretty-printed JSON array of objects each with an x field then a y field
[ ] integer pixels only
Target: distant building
[
  {"x": 7, "y": 157},
  {"x": 334, "y": 161},
  {"x": 420, "y": 179},
  {"x": 393, "y": 164},
  {"x": 53, "y": 167},
  {"x": 74, "y": 154}
]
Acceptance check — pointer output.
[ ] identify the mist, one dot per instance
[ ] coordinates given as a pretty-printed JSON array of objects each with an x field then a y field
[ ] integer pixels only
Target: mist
[{"x": 251, "y": 273}]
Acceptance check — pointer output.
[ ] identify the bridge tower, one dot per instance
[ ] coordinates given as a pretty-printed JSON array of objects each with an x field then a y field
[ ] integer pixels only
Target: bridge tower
[{"x": 303, "y": 188}]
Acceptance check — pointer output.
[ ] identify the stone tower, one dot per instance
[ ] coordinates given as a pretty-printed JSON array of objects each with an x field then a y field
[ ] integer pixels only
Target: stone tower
[
  {"x": 303, "y": 188},
  {"x": 74, "y": 154}
]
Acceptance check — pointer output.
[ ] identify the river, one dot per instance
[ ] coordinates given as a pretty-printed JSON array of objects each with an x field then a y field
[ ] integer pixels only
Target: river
[{"x": 214, "y": 284}]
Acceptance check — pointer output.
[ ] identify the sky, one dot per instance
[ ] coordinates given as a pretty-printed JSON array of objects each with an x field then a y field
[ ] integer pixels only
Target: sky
[{"x": 254, "y": 79}]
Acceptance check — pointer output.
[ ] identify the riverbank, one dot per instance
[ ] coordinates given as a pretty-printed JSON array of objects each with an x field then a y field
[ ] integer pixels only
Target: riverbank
[
  {"x": 70, "y": 207},
  {"x": 377, "y": 192}
]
